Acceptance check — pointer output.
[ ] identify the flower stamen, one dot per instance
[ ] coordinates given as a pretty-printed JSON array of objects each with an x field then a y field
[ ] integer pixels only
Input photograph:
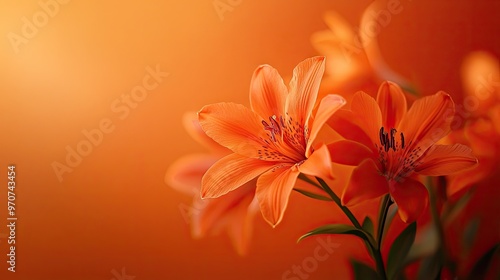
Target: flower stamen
[
  {"x": 400, "y": 162},
  {"x": 390, "y": 143},
  {"x": 274, "y": 126},
  {"x": 286, "y": 139},
  {"x": 402, "y": 141}
]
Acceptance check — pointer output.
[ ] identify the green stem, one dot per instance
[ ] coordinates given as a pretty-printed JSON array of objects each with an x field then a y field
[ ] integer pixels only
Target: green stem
[
  {"x": 436, "y": 219},
  {"x": 336, "y": 199},
  {"x": 307, "y": 180},
  {"x": 382, "y": 217},
  {"x": 380, "y": 264},
  {"x": 371, "y": 247}
]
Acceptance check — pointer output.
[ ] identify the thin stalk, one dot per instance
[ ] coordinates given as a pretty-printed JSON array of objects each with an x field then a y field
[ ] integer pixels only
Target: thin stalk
[
  {"x": 382, "y": 217},
  {"x": 307, "y": 180},
  {"x": 371, "y": 247},
  {"x": 436, "y": 219},
  {"x": 336, "y": 199}
]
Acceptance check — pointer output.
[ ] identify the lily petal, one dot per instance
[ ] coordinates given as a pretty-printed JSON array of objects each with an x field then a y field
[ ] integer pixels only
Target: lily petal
[
  {"x": 411, "y": 196},
  {"x": 318, "y": 164},
  {"x": 372, "y": 49},
  {"x": 347, "y": 124},
  {"x": 208, "y": 213},
  {"x": 304, "y": 87},
  {"x": 392, "y": 103},
  {"x": 184, "y": 175},
  {"x": 233, "y": 212},
  {"x": 327, "y": 107},
  {"x": 339, "y": 27},
  {"x": 480, "y": 134},
  {"x": 443, "y": 160},
  {"x": 273, "y": 191},
  {"x": 347, "y": 61},
  {"x": 267, "y": 92},
  {"x": 369, "y": 114},
  {"x": 365, "y": 183},
  {"x": 193, "y": 128},
  {"x": 230, "y": 172},
  {"x": 203, "y": 217},
  {"x": 461, "y": 181},
  {"x": 428, "y": 120},
  {"x": 241, "y": 226},
  {"x": 349, "y": 152},
  {"x": 233, "y": 126}
]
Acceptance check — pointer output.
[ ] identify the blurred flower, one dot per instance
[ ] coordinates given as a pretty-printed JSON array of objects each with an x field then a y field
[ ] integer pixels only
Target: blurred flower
[
  {"x": 473, "y": 231},
  {"x": 483, "y": 136},
  {"x": 354, "y": 61},
  {"x": 272, "y": 140},
  {"x": 234, "y": 213},
  {"x": 391, "y": 145},
  {"x": 481, "y": 82},
  {"x": 481, "y": 78}
]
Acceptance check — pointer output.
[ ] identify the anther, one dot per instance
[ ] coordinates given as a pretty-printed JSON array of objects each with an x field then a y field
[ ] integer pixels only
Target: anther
[
  {"x": 273, "y": 127},
  {"x": 382, "y": 136},
  {"x": 393, "y": 144}
]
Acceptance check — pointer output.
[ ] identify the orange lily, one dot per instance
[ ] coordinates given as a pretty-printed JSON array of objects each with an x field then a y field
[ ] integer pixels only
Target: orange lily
[
  {"x": 273, "y": 140},
  {"x": 234, "y": 213},
  {"x": 391, "y": 146}
]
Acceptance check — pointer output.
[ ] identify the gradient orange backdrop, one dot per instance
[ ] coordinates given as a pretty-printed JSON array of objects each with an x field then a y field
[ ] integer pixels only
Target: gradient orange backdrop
[{"x": 114, "y": 211}]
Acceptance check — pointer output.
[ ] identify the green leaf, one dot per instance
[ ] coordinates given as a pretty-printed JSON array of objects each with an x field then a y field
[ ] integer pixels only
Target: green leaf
[
  {"x": 313, "y": 195},
  {"x": 481, "y": 267},
  {"x": 451, "y": 211},
  {"x": 393, "y": 209},
  {"x": 368, "y": 225},
  {"x": 430, "y": 267},
  {"x": 399, "y": 250},
  {"x": 338, "y": 229},
  {"x": 426, "y": 245},
  {"x": 469, "y": 234},
  {"x": 369, "y": 249},
  {"x": 363, "y": 271}
]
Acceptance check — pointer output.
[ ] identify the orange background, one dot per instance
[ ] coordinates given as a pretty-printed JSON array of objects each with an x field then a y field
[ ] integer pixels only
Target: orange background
[{"x": 114, "y": 210}]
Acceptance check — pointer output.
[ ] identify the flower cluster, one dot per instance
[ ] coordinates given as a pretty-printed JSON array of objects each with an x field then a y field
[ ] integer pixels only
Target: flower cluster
[{"x": 402, "y": 154}]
